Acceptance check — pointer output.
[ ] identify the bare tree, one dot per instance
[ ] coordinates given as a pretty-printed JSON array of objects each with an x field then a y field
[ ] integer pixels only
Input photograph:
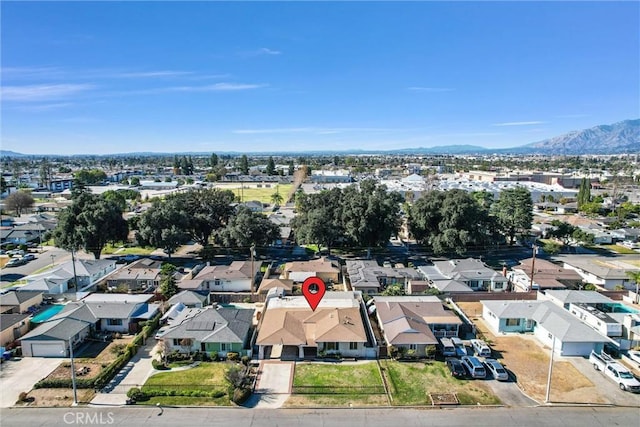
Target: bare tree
[{"x": 19, "y": 201}]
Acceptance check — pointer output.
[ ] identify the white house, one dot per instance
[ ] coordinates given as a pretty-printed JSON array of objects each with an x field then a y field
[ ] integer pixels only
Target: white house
[
  {"x": 601, "y": 271},
  {"x": 553, "y": 326},
  {"x": 470, "y": 272},
  {"x": 237, "y": 277}
]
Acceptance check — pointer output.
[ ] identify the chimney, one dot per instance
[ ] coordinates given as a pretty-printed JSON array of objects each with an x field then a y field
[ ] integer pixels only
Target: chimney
[{"x": 504, "y": 270}]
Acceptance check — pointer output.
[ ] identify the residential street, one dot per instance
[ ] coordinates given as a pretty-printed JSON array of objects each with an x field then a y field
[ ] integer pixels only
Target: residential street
[{"x": 239, "y": 417}]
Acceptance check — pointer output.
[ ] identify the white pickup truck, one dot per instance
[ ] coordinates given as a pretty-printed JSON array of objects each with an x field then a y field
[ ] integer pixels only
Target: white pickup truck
[{"x": 618, "y": 373}]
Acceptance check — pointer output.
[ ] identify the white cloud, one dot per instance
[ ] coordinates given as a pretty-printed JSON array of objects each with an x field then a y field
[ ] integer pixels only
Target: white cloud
[
  {"x": 267, "y": 51},
  {"x": 530, "y": 123},
  {"x": 150, "y": 74},
  {"x": 43, "y": 92},
  {"x": 218, "y": 87},
  {"x": 429, "y": 89},
  {"x": 37, "y": 108},
  {"x": 263, "y": 51}
]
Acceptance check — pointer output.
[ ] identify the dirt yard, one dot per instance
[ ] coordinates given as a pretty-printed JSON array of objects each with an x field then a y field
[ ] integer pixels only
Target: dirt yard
[
  {"x": 86, "y": 367},
  {"x": 528, "y": 360}
]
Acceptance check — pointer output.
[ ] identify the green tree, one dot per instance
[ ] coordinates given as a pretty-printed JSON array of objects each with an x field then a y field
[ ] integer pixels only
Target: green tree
[
  {"x": 371, "y": 214},
  {"x": 319, "y": 218},
  {"x": 135, "y": 181},
  {"x": 292, "y": 168},
  {"x": 393, "y": 290},
  {"x": 163, "y": 226},
  {"x": 168, "y": 286},
  {"x": 248, "y": 228},
  {"x": 514, "y": 212},
  {"x": 90, "y": 176},
  {"x": 213, "y": 161},
  {"x": 271, "y": 166},
  {"x": 19, "y": 201},
  {"x": 90, "y": 223},
  {"x": 584, "y": 193},
  {"x": 244, "y": 165},
  {"x": 3, "y": 185},
  {"x": 562, "y": 230},
  {"x": 276, "y": 197},
  {"x": 551, "y": 248}
]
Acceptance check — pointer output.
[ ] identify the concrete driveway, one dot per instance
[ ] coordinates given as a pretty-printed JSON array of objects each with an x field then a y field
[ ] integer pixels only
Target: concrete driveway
[
  {"x": 273, "y": 386},
  {"x": 509, "y": 393},
  {"x": 20, "y": 375},
  {"x": 606, "y": 388}
]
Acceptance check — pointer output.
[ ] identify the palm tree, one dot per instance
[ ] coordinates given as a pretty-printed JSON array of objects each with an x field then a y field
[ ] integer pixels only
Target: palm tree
[
  {"x": 635, "y": 276},
  {"x": 276, "y": 197}
]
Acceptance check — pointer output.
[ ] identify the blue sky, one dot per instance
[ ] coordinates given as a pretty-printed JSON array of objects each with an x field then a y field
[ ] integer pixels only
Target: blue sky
[{"x": 113, "y": 77}]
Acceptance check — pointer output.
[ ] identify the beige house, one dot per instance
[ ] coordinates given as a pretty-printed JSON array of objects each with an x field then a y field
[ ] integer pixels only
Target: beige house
[
  {"x": 299, "y": 271},
  {"x": 290, "y": 330},
  {"x": 239, "y": 276},
  {"x": 267, "y": 284},
  {"x": 415, "y": 322},
  {"x": 12, "y": 327},
  {"x": 19, "y": 302},
  {"x": 139, "y": 275}
]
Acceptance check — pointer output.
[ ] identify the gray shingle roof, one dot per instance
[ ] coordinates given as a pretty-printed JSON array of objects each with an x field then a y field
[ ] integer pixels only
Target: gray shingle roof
[
  {"x": 61, "y": 329},
  {"x": 212, "y": 325}
]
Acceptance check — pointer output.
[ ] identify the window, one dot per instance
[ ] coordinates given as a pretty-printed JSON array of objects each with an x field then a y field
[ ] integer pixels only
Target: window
[
  {"x": 114, "y": 322},
  {"x": 413, "y": 346},
  {"x": 549, "y": 336},
  {"x": 498, "y": 285},
  {"x": 513, "y": 322},
  {"x": 331, "y": 346},
  {"x": 223, "y": 346},
  {"x": 176, "y": 341},
  {"x": 353, "y": 346}
]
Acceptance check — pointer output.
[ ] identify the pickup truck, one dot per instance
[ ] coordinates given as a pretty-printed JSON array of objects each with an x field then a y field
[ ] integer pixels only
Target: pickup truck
[{"x": 618, "y": 373}]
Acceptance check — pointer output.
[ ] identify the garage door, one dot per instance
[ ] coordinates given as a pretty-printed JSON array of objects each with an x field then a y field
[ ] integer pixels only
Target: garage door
[{"x": 48, "y": 350}]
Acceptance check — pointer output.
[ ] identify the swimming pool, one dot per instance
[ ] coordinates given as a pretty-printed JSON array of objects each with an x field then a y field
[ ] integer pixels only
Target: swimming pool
[{"x": 47, "y": 313}]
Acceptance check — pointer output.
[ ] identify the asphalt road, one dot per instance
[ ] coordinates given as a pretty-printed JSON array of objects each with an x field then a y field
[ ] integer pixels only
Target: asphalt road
[
  {"x": 9, "y": 275},
  {"x": 241, "y": 417}
]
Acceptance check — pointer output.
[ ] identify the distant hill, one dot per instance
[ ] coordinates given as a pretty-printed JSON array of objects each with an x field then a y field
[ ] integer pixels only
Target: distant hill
[{"x": 618, "y": 138}]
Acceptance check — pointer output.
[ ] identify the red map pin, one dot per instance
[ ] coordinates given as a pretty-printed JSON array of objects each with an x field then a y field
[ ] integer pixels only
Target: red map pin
[{"x": 313, "y": 289}]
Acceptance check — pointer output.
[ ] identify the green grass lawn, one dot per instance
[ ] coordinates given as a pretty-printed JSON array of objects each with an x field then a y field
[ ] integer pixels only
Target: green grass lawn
[
  {"x": 327, "y": 384},
  {"x": 208, "y": 376},
  {"x": 411, "y": 383},
  {"x": 120, "y": 250},
  {"x": 620, "y": 249}
]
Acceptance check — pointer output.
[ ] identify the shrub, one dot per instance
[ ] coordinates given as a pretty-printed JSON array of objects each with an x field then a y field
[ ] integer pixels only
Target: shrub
[
  {"x": 159, "y": 365},
  {"x": 214, "y": 356},
  {"x": 240, "y": 395},
  {"x": 136, "y": 393},
  {"x": 118, "y": 349},
  {"x": 217, "y": 394},
  {"x": 233, "y": 356},
  {"x": 22, "y": 397},
  {"x": 245, "y": 360}
]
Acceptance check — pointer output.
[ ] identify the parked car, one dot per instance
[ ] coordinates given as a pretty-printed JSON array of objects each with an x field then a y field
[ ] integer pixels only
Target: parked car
[
  {"x": 497, "y": 370},
  {"x": 28, "y": 257},
  {"x": 481, "y": 348},
  {"x": 615, "y": 371},
  {"x": 447, "y": 347},
  {"x": 634, "y": 355},
  {"x": 14, "y": 262},
  {"x": 474, "y": 367},
  {"x": 15, "y": 252},
  {"x": 456, "y": 368}
]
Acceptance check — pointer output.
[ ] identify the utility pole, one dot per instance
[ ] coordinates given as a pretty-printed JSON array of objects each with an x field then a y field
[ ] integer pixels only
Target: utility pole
[
  {"x": 553, "y": 346},
  {"x": 533, "y": 266},
  {"x": 73, "y": 374},
  {"x": 253, "y": 274}
]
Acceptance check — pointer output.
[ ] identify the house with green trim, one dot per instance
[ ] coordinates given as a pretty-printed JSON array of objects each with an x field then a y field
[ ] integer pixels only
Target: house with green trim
[{"x": 210, "y": 329}]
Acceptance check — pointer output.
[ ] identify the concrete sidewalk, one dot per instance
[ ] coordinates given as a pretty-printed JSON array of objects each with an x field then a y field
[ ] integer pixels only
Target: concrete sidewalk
[{"x": 134, "y": 374}]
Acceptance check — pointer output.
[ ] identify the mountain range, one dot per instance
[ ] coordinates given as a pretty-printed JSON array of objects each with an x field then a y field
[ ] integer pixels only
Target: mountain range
[{"x": 617, "y": 138}]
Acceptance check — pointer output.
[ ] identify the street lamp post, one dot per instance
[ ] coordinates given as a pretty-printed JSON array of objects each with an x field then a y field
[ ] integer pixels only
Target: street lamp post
[
  {"x": 52, "y": 259},
  {"x": 553, "y": 346}
]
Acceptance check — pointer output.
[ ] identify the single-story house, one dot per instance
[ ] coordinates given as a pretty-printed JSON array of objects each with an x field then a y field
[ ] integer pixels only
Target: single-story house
[
  {"x": 119, "y": 312},
  {"x": 553, "y": 326},
  {"x": 19, "y": 302},
  {"x": 52, "y": 338},
  {"x": 564, "y": 297},
  {"x": 299, "y": 271},
  {"x": 87, "y": 271},
  {"x": 12, "y": 327},
  {"x": 283, "y": 284},
  {"x": 210, "y": 329},
  {"x": 369, "y": 277},
  {"x": 191, "y": 299},
  {"x": 415, "y": 322},
  {"x": 471, "y": 272},
  {"x": 546, "y": 275},
  {"x": 600, "y": 271},
  {"x": 47, "y": 285},
  {"x": 139, "y": 275},
  {"x": 237, "y": 277},
  {"x": 290, "y": 330}
]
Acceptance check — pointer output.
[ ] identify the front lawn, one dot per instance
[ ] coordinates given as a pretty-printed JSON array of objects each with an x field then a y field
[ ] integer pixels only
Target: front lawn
[
  {"x": 207, "y": 377},
  {"x": 411, "y": 383},
  {"x": 328, "y": 384}
]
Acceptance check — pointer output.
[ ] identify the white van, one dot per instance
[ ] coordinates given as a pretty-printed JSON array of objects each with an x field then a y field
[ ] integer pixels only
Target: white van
[
  {"x": 448, "y": 349},
  {"x": 481, "y": 348}
]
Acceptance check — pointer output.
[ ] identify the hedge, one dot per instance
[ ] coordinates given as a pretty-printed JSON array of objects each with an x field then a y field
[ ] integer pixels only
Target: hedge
[{"x": 111, "y": 370}]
